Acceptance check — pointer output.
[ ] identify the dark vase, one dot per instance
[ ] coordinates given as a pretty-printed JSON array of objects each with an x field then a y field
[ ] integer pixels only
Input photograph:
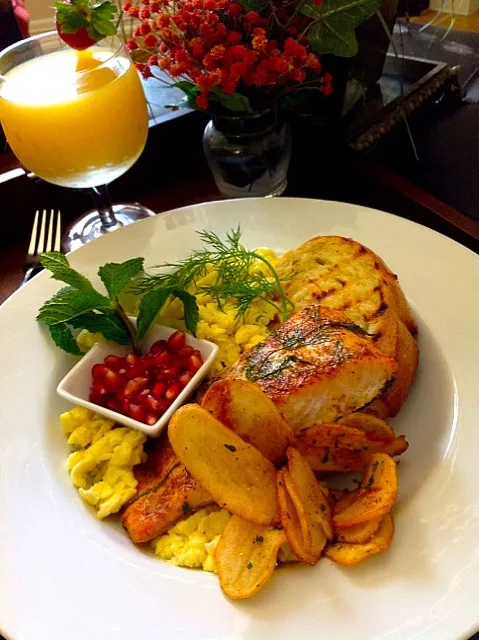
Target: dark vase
[{"x": 249, "y": 154}]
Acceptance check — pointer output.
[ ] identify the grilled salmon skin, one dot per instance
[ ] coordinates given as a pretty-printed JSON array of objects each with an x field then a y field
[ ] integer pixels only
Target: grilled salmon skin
[
  {"x": 342, "y": 274},
  {"x": 166, "y": 494},
  {"x": 316, "y": 367}
]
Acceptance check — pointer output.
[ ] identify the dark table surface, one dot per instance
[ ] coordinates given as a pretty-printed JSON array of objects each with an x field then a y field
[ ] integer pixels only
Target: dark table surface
[{"x": 172, "y": 172}]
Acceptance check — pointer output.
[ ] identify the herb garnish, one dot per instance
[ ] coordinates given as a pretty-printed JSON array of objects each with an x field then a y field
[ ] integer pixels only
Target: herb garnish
[
  {"x": 231, "y": 447},
  {"x": 249, "y": 565},
  {"x": 259, "y": 539},
  {"x": 185, "y": 507},
  {"x": 80, "y": 306},
  {"x": 237, "y": 278}
]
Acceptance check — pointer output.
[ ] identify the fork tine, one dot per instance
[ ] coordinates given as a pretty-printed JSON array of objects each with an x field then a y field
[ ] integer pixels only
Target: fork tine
[
  {"x": 33, "y": 238},
  {"x": 48, "y": 246},
  {"x": 58, "y": 234},
  {"x": 41, "y": 237}
]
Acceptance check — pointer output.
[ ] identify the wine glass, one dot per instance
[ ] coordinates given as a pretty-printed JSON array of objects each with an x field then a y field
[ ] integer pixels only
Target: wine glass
[{"x": 76, "y": 119}]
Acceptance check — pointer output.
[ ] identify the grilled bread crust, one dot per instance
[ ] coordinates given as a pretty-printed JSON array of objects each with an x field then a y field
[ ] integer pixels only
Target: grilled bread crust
[
  {"x": 316, "y": 367},
  {"x": 342, "y": 274}
]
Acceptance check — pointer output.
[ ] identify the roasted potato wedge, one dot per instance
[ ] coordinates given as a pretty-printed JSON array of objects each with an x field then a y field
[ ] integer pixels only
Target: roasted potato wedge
[
  {"x": 359, "y": 533},
  {"x": 375, "y": 497},
  {"x": 339, "y": 436},
  {"x": 246, "y": 557},
  {"x": 351, "y": 554},
  {"x": 244, "y": 408},
  {"x": 311, "y": 503},
  {"x": 290, "y": 520},
  {"x": 369, "y": 424},
  {"x": 324, "y": 459},
  {"x": 236, "y": 474}
]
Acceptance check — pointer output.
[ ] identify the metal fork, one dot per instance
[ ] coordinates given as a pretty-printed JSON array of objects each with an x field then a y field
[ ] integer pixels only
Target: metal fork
[{"x": 39, "y": 243}]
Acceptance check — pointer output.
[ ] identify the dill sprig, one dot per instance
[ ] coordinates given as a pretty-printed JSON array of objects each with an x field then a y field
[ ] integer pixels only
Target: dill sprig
[{"x": 237, "y": 280}]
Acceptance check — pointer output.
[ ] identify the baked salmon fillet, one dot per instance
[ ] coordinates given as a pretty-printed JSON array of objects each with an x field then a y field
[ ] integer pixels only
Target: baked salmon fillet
[
  {"x": 342, "y": 274},
  {"x": 166, "y": 494},
  {"x": 316, "y": 367}
]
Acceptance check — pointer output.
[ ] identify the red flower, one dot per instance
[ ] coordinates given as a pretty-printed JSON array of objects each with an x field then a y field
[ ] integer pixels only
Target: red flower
[
  {"x": 126, "y": 6},
  {"x": 131, "y": 45},
  {"x": 235, "y": 9},
  {"x": 234, "y": 37},
  {"x": 202, "y": 100},
  {"x": 154, "y": 7},
  {"x": 150, "y": 41},
  {"x": 153, "y": 61},
  {"x": 133, "y": 11},
  {"x": 327, "y": 88},
  {"x": 145, "y": 28},
  {"x": 144, "y": 13},
  {"x": 253, "y": 17},
  {"x": 293, "y": 48}
]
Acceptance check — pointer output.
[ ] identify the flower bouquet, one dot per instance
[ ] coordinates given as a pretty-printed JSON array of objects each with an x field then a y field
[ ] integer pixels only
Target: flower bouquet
[{"x": 240, "y": 61}]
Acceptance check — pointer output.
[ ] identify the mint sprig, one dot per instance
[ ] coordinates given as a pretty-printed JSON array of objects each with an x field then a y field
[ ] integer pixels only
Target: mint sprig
[
  {"x": 97, "y": 18},
  {"x": 80, "y": 306}
]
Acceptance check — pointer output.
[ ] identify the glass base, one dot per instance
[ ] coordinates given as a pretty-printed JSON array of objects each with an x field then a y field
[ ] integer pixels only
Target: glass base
[{"x": 90, "y": 227}]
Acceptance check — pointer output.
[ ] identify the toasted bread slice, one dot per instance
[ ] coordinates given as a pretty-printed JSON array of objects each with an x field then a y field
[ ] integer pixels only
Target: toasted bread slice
[
  {"x": 342, "y": 274},
  {"x": 316, "y": 367}
]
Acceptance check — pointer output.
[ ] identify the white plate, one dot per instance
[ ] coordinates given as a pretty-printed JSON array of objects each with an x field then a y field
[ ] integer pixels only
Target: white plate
[{"x": 66, "y": 576}]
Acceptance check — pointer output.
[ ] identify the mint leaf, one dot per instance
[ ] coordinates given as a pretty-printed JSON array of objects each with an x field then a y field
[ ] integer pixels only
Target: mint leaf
[
  {"x": 150, "y": 305},
  {"x": 191, "y": 309},
  {"x": 57, "y": 263},
  {"x": 153, "y": 301},
  {"x": 115, "y": 276},
  {"x": 106, "y": 322},
  {"x": 68, "y": 303},
  {"x": 62, "y": 336}
]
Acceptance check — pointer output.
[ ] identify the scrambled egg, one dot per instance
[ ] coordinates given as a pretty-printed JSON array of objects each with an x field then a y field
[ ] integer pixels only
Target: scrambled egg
[
  {"x": 234, "y": 335},
  {"x": 193, "y": 541},
  {"x": 101, "y": 467}
]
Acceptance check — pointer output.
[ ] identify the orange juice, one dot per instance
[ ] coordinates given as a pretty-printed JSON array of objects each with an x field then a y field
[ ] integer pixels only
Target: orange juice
[{"x": 71, "y": 128}]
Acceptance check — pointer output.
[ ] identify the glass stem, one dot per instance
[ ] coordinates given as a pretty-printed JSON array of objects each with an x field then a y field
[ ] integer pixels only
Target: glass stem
[{"x": 101, "y": 198}]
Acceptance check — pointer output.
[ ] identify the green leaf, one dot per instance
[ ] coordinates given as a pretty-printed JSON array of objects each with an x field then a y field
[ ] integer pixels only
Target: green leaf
[
  {"x": 334, "y": 31},
  {"x": 254, "y": 5},
  {"x": 62, "y": 336},
  {"x": 68, "y": 303},
  {"x": 191, "y": 309},
  {"x": 57, "y": 264},
  {"x": 188, "y": 88},
  {"x": 153, "y": 301},
  {"x": 235, "y": 102},
  {"x": 115, "y": 276},
  {"x": 150, "y": 305},
  {"x": 107, "y": 322}
]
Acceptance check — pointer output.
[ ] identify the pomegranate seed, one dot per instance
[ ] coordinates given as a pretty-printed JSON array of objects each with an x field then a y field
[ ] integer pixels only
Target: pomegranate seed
[
  {"x": 135, "y": 371},
  {"x": 137, "y": 412},
  {"x": 158, "y": 389},
  {"x": 173, "y": 391},
  {"x": 98, "y": 371},
  {"x": 161, "y": 359},
  {"x": 115, "y": 362},
  {"x": 140, "y": 397},
  {"x": 158, "y": 347},
  {"x": 147, "y": 361},
  {"x": 132, "y": 359},
  {"x": 151, "y": 419},
  {"x": 125, "y": 407},
  {"x": 113, "y": 380},
  {"x": 95, "y": 397},
  {"x": 164, "y": 405},
  {"x": 122, "y": 371},
  {"x": 194, "y": 363},
  {"x": 134, "y": 386},
  {"x": 176, "y": 341},
  {"x": 196, "y": 352},
  {"x": 185, "y": 352},
  {"x": 99, "y": 387},
  {"x": 113, "y": 404},
  {"x": 185, "y": 378},
  {"x": 166, "y": 373},
  {"x": 152, "y": 404}
]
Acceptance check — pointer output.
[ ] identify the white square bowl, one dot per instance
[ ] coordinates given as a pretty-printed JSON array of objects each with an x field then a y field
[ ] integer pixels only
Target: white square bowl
[{"x": 75, "y": 386}]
